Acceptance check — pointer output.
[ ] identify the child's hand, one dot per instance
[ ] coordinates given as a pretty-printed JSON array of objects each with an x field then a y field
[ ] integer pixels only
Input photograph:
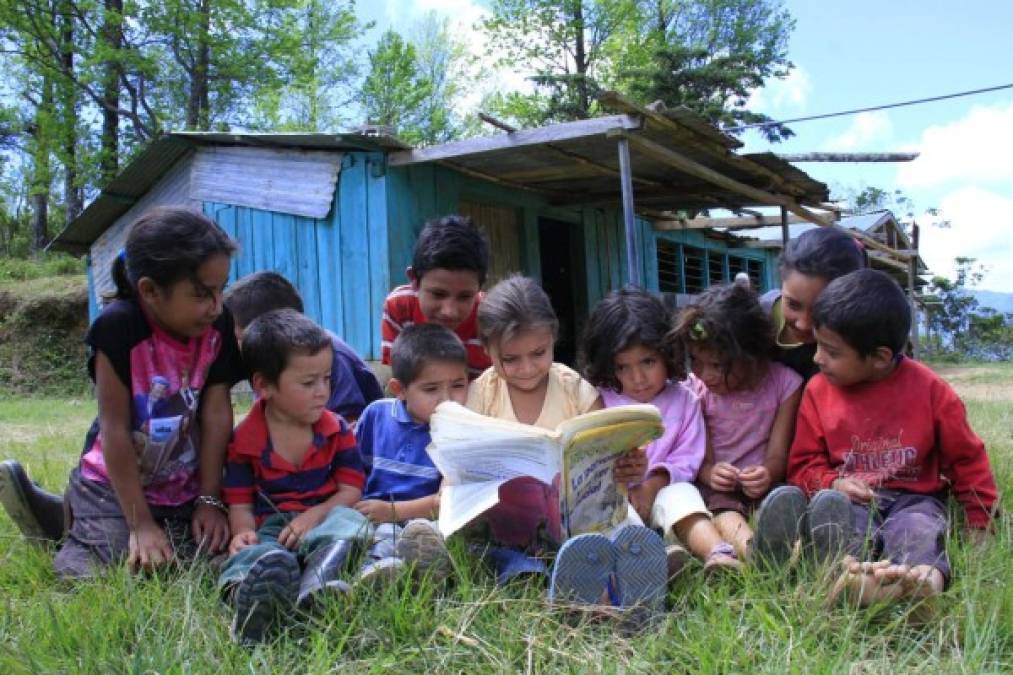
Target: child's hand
[
  {"x": 630, "y": 466},
  {"x": 724, "y": 476},
  {"x": 242, "y": 540},
  {"x": 755, "y": 481},
  {"x": 210, "y": 528},
  {"x": 148, "y": 547},
  {"x": 856, "y": 490},
  {"x": 377, "y": 511},
  {"x": 292, "y": 534}
]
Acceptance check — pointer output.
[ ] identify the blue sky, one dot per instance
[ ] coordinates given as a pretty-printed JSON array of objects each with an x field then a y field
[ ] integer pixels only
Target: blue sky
[{"x": 863, "y": 53}]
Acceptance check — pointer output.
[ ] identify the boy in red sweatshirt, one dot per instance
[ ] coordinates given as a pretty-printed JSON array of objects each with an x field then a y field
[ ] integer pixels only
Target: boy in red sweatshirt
[{"x": 890, "y": 435}]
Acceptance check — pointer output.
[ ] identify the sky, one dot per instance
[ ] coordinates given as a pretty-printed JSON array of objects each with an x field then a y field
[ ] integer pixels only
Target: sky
[{"x": 865, "y": 53}]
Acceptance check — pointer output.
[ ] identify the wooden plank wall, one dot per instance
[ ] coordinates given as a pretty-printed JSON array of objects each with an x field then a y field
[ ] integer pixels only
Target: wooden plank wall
[{"x": 338, "y": 263}]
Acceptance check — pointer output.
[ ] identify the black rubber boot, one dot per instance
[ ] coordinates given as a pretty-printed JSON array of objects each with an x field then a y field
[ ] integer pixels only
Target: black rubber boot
[
  {"x": 37, "y": 513},
  {"x": 321, "y": 571}
]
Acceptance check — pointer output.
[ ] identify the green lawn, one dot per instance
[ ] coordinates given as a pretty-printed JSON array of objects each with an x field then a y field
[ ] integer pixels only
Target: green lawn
[{"x": 759, "y": 622}]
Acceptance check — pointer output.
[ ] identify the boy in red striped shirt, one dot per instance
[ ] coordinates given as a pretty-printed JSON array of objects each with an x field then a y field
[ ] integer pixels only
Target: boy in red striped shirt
[
  {"x": 449, "y": 266},
  {"x": 291, "y": 474}
]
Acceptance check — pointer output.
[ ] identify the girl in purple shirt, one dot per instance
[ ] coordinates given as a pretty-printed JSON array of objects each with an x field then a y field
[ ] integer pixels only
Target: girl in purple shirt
[{"x": 625, "y": 353}]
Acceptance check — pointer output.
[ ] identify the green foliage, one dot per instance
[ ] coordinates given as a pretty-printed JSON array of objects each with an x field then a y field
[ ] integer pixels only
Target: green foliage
[
  {"x": 394, "y": 89},
  {"x": 962, "y": 327},
  {"x": 44, "y": 265},
  {"x": 707, "y": 55}
]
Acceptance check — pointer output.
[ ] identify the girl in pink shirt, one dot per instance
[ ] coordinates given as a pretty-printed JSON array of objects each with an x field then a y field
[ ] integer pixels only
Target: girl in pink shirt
[
  {"x": 625, "y": 353},
  {"x": 749, "y": 405}
]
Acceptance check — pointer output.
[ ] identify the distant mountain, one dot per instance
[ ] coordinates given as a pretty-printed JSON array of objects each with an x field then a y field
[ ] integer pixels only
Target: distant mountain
[{"x": 1000, "y": 302}]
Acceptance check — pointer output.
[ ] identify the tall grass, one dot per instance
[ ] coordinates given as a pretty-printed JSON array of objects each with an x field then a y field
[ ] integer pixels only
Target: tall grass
[{"x": 759, "y": 622}]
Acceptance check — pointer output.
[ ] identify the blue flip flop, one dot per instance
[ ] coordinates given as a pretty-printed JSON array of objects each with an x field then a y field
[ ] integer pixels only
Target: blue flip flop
[
  {"x": 641, "y": 568},
  {"x": 583, "y": 567}
]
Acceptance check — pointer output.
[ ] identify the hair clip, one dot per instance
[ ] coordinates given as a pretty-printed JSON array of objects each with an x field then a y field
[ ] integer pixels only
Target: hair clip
[
  {"x": 122, "y": 255},
  {"x": 697, "y": 332}
]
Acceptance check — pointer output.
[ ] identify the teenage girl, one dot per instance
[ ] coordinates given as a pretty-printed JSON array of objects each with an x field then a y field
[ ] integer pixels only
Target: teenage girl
[
  {"x": 626, "y": 354},
  {"x": 749, "y": 405},
  {"x": 518, "y": 329},
  {"x": 148, "y": 488},
  {"x": 807, "y": 265}
]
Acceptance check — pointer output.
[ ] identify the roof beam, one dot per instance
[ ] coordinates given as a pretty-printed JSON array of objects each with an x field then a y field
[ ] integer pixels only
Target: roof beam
[
  {"x": 694, "y": 168},
  {"x": 566, "y": 131},
  {"x": 737, "y": 223},
  {"x": 848, "y": 156}
]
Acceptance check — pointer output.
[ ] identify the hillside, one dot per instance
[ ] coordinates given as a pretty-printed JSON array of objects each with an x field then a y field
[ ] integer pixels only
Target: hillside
[{"x": 1000, "y": 302}]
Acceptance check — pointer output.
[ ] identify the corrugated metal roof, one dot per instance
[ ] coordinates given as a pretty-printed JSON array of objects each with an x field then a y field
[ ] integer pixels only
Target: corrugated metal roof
[
  {"x": 867, "y": 221},
  {"x": 159, "y": 156}
]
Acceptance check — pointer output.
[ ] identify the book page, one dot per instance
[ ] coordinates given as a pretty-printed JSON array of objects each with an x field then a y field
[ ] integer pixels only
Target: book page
[
  {"x": 476, "y": 454},
  {"x": 591, "y": 500}
]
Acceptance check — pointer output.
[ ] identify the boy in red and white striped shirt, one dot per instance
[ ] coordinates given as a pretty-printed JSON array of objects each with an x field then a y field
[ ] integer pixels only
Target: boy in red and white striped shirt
[
  {"x": 448, "y": 268},
  {"x": 291, "y": 475}
]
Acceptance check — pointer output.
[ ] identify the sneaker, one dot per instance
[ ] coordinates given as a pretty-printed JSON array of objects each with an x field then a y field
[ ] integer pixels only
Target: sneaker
[
  {"x": 422, "y": 546},
  {"x": 37, "y": 513},
  {"x": 828, "y": 524},
  {"x": 582, "y": 570},
  {"x": 778, "y": 525},
  {"x": 676, "y": 557},
  {"x": 721, "y": 559},
  {"x": 381, "y": 572},
  {"x": 269, "y": 588}
]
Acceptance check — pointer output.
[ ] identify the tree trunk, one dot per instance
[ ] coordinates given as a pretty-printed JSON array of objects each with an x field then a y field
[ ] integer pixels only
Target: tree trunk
[
  {"x": 580, "y": 57},
  {"x": 198, "y": 113},
  {"x": 41, "y": 175},
  {"x": 112, "y": 35},
  {"x": 68, "y": 111}
]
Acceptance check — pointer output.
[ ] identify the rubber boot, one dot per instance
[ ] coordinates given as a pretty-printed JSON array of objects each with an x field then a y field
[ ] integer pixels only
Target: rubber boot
[
  {"x": 321, "y": 571},
  {"x": 37, "y": 513}
]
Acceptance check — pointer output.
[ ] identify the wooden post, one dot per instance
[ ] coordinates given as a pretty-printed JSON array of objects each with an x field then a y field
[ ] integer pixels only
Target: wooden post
[
  {"x": 629, "y": 219},
  {"x": 785, "y": 234},
  {"x": 912, "y": 271}
]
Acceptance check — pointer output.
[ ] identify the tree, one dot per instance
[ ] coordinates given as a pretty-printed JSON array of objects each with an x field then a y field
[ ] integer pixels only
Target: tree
[
  {"x": 963, "y": 326},
  {"x": 442, "y": 62},
  {"x": 707, "y": 55},
  {"x": 394, "y": 89}
]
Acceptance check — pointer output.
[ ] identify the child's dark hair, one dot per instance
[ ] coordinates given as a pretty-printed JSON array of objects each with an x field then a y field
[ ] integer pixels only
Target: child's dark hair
[
  {"x": 421, "y": 344},
  {"x": 729, "y": 321},
  {"x": 512, "y": 306},
  {"x": 451, "y": 243},
  {"x": 623, "y": 319},
  {"x": 825, "y": 252},
  {"x": 273, "y": 337},
  {"x": 260, "y": 292},
  {"x": 867, "y": 309},
  {"x": 167, "y": 244}
]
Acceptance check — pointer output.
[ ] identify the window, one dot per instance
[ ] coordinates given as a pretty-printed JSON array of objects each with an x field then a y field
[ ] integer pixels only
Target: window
[
  {"x": 693, "y": 261},
  {"x": 669, "y": 275},
  {"x": 716, "y": 268}
]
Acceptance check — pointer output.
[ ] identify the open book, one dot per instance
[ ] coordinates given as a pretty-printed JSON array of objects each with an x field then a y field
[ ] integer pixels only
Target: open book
[{"x": 479, "y": 455}]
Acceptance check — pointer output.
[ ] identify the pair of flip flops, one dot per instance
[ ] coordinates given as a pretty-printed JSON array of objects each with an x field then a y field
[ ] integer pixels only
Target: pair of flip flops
[
  {"x": 631, "y": 568},
  {"x": 823, "y": 525}
]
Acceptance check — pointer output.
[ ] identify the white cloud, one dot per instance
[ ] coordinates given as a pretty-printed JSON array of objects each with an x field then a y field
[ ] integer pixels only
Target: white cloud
[
  {"x": 779, "y": 96},
  {"x": 980, "y": 224},
  {"x": 977, "y": 148},
  {"x": 867, "y": 131}
]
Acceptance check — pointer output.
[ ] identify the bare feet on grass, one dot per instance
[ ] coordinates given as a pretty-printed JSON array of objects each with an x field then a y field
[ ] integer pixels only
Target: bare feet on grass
[{"x": 869, "y": 583}]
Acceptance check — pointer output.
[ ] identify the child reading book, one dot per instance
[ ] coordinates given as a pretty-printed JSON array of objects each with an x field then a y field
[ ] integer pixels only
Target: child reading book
[
  {"x": 518, "y": 328},
  {"x": 626, "y": 354}
]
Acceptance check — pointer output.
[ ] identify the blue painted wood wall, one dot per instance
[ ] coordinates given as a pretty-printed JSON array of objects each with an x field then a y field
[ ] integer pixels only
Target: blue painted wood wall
[{"x": 339, "y": 264}]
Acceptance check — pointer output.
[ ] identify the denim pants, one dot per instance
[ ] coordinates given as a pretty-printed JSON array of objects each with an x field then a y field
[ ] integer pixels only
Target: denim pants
[{"x": 341, "y": 523}]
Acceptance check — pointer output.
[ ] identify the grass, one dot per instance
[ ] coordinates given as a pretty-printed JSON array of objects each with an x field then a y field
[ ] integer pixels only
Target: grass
[{"x": 759, "y": 622}]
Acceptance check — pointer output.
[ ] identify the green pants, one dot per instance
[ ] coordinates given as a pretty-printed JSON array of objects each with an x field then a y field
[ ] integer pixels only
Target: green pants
[{"x": 341, "y": 523}]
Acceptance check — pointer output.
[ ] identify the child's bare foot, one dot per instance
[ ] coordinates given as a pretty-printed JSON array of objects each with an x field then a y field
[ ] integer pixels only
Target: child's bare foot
[
  {"x": 922, "y": 581},
  {"x": 867, "y": 583}
]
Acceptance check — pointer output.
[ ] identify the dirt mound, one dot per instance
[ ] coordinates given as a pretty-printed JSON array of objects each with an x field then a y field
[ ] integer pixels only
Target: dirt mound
[{"x": 42, "y": 327}]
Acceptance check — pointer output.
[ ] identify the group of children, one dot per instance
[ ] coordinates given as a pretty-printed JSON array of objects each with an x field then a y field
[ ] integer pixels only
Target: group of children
[{"x": 855, "y": 464}]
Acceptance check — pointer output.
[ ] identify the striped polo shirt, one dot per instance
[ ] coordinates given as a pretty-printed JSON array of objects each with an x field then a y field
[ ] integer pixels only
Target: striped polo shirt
[
  {"x": 256, "y": 474},
  {"x": 393, "y": 450},
  {"x": 401, "y": 309}
]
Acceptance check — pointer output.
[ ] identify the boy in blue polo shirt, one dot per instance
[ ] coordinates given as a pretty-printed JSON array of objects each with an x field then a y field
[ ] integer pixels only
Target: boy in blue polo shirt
[{"x": 401, "y": 498}]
